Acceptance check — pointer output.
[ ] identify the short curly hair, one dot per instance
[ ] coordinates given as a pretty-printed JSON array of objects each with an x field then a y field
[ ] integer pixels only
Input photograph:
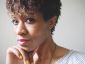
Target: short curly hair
[{"x": 48, "y": 8}]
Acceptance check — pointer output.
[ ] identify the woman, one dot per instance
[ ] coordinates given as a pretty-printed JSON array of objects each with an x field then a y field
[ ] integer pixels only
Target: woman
[{"x": 34, "y": 22}]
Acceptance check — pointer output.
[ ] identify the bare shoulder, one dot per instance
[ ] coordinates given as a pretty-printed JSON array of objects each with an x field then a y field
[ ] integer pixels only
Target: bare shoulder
[{"x": 60, "y": 52}]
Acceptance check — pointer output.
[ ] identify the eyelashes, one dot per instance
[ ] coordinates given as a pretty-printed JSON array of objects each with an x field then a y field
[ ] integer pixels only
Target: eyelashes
[
  {"x": 27, "y": 21},
  {"x": 15, "y": 22},
  {"x": 30, "y": 20}
]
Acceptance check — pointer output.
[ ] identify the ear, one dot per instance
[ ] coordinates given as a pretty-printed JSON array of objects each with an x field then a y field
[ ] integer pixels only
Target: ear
[{"x": 52, "y": 22}]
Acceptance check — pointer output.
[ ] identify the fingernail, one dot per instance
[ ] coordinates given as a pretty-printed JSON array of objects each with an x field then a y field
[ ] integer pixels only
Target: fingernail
[
  {"x": 26, "y": 62},
  {"x": 20, "y": 57}
]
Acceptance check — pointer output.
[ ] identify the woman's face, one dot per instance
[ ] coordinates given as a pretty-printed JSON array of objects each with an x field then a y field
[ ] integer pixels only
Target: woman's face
[{"x": 31, "y": 29}]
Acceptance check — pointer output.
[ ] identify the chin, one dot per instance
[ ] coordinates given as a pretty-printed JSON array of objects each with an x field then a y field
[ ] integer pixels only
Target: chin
[{"x": 28, "y": 48}]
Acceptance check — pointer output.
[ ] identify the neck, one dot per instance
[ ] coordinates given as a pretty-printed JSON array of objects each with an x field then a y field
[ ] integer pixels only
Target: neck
[{"x": 45, "y": 52}]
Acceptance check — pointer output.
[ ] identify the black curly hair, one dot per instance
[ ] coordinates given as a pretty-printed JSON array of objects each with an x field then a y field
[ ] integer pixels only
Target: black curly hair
[{"x": 48, "y": 8}]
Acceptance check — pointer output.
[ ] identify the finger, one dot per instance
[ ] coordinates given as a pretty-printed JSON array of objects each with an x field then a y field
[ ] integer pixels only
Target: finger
[
  {"x": 13, "y": 51},
  {"x": 26, "y": 62},
  {"x": 22, "y": 52},
  {"x": 12, "y": 56}
]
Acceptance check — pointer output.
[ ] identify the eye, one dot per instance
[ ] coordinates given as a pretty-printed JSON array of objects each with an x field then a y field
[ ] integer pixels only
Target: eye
[
  {"x": 15, "y": 22},
  {"x": 30, "y": 20}
]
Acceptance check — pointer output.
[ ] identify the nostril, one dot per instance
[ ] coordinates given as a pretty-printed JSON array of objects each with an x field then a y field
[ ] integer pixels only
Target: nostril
[{"x": 21, "y": 30}]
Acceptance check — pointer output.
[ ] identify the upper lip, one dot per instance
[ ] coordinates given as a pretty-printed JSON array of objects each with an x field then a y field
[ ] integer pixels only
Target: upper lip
[{"x": 23, "y": 39}]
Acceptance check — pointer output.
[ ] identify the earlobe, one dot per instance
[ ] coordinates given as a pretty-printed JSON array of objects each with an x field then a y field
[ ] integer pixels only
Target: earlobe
[{"x": 52, "y": 22}]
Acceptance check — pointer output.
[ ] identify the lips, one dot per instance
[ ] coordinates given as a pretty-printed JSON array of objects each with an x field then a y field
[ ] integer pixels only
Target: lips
[{"x": 22, "y": 41}]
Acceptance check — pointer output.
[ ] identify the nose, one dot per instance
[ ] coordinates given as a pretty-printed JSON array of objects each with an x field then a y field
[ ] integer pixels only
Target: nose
[{"x": 21, "y": 29}]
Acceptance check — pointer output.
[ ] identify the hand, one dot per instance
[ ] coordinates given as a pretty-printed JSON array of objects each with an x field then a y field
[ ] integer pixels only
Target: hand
[{"x": 16, "y": 55}]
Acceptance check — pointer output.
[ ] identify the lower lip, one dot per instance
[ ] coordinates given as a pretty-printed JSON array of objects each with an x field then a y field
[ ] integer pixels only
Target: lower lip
[{"x": 22, "y": 42}]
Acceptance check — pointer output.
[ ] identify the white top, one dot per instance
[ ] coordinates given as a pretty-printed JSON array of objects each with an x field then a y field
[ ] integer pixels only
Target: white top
[{"x": 73, "y": 57}]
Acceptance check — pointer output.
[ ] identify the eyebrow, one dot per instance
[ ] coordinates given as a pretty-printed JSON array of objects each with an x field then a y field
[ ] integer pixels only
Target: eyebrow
[{"x": 31, "y": 14}]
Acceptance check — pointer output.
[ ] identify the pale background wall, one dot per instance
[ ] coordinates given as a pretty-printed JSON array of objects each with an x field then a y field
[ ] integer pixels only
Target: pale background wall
[{"x": 70, "y": 31}]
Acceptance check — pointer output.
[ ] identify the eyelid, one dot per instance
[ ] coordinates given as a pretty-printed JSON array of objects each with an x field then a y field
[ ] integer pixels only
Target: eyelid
[
  {"x": 15, "y": 22},
  {"x": 30, "y": 20}
]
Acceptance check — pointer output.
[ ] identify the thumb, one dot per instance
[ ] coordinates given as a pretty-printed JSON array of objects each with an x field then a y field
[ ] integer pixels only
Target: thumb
[{"x": 35, "y": 58}]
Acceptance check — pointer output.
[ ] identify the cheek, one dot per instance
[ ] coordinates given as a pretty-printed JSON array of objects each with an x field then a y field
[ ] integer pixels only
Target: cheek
[
  {"x": 14, "y": 29},
  {"x": 38, "y": 30},
  {"x": 38, "y": 33}
]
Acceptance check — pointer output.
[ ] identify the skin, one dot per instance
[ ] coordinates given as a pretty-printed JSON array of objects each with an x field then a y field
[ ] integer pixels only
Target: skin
[{"x": 40, "y": 47}]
